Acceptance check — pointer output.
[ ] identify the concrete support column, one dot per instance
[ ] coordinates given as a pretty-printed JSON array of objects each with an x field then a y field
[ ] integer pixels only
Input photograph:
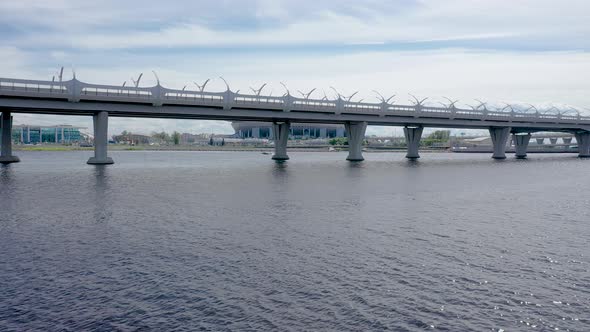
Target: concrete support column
[
  {"x": 101, "y": 141},
  {"x": 540, "y": 141},
  {"x": 499, "y": 138},
  {"x": 356, "y": 135},
  {"x": 6, "y": 156},
  {"x": 413, "y": 136},
  {"x": 567, "y": 140},
  {"x": 521, "y": 143},
  {"x": 281, "y": 137},
  {"x": 583, "y": 139}
]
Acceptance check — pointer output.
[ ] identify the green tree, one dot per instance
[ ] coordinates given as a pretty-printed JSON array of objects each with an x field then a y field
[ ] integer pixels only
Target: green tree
[
  {"x": 163, "y": 136},
  {"x": 338, "y": 141},
  {"x": 436, "y": 137},
  {"x": 176, "y": 137}
]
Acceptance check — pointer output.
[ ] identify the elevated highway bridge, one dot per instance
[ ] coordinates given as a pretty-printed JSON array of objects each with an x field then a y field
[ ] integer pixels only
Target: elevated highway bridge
[{"x": 74, "y": 97}]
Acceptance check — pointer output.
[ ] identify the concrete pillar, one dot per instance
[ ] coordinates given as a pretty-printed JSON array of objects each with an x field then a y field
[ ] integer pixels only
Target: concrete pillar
[
  {"x": 281, "y": 137},
  {"x": 522, "y": 143},
  {"x": 567, "y": 140},
  {"x": 323, "y": 133},
  {"x": 56, "y": 140},
  {"x": 553, "y": 141},
  {"x": 540, "y": 141},
  {"x": 356, "y": 135},
  {"x": 413, "y": 136},
  {"x": 28, "y": 135},
  {"x": 101, "y": 140},
  {"x": 583, "y": 139},
  {"x": 63, "y": 139},
  {"x": 499, "y": 138},
  {"x": 339, "y": 132},
  {"x": 6, "y": 156}
]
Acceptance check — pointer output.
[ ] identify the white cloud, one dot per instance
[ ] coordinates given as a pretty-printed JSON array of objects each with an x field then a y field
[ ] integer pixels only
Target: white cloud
[
  {"x": 538, "y": 78},
  {"x": 106, "y": 25},
  {"x": 308, "y": 43}
]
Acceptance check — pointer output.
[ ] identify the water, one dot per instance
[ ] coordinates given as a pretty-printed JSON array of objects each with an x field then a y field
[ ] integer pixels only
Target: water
[{"x": 225, "y": 241}]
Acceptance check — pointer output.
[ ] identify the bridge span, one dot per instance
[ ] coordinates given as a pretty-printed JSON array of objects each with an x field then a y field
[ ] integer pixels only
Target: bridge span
[{"x": 74, "y": 97}]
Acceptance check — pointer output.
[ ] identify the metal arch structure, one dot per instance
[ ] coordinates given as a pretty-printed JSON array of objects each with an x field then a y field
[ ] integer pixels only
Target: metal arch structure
[
  {"x": 306, "y": 95},
  {"x": 382, "y": 98},
  {"x": 258, "y": 91},
  {"x": 451, "y": 105},
  {"x": 74, "y": 97},
  {"x": 418, "y": 102},
  {"x": 202, "y": 87},
  {"x": 136, "y": 82}
]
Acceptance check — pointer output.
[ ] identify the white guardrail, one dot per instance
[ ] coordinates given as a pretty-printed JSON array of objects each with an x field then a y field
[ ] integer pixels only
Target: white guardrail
[{"x": 75, "y": 91}]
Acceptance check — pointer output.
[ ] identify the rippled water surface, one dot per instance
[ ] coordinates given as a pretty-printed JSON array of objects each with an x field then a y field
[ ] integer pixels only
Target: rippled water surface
[{"x": 227, "y": 241}]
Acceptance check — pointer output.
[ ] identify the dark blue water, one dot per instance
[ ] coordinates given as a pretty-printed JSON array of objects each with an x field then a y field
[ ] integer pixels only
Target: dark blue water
[{"x": 230, "y": 241}]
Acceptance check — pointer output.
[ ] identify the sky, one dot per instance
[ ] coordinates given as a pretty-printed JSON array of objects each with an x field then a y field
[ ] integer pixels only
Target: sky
[{"x": 517, "y": 51}]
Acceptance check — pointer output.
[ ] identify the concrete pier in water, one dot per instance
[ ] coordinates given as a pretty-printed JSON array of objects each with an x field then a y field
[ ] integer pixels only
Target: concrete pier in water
[
  {"x": 583, "y": 139},
  {"x": 521, "y": 143},
  {"x": 281, "y": 137},
  {"x": 101, "y": 140},
  {"x": 413, "y": 136},
  {"x": 356, "y": 136},
  {"x": 499, "y": 137},
  {"x": 6, "y": 156}
]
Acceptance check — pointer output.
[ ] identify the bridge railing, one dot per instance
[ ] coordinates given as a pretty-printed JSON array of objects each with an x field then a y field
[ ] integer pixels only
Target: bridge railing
[
  {"x": 75, "y": 90},
  {"x": 32, "y": 86},
  {"x": 192, "y": 96},
  {"x": 102, "y": 91}
]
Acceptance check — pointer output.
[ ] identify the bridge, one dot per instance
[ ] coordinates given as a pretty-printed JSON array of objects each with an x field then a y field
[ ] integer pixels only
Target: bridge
[{"x": 75, "y": 97}]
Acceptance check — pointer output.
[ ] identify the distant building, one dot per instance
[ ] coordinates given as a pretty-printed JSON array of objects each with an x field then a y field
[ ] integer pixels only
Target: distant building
[
  {"x": 298, "y": 130},
  {"x": 28, "y": 134},
  {"x": 132, "y": 139},
  {"x": 196, "y": 139}
]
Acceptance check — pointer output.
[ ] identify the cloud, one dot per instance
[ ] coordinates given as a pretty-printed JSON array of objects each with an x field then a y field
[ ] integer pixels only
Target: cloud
[
  {"x": 133, "y": 24},
  {"x": 538, "y": 78},
  {"x": 514, "y": 51}
]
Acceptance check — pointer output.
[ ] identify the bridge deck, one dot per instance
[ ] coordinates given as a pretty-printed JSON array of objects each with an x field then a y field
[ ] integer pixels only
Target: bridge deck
[{"x": 77, "y": 98}]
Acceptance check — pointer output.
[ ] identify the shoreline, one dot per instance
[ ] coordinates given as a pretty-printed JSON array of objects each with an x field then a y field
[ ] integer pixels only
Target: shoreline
[
  {"x": 269, "y": 150},
  {"x": 60, "y": 148}
]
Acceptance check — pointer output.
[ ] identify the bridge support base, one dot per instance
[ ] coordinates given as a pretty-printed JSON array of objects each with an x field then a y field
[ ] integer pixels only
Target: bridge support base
[
  {"x": 6, "y": 156},
  {"x": 499, "y": 139},
  {"x": 356, "y": 135},
  {"x": 583, "y": 139},
  {"x": 280, "y": 132},
  {"x": 413, "y": 136},
  {"x": 101, "y": 140},
  {"x": 521, "y": 143}
]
